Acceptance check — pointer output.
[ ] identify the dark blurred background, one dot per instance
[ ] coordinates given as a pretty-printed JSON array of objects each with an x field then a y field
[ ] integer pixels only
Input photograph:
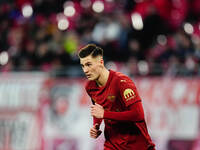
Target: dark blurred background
[{"x": 146, "y": 37}]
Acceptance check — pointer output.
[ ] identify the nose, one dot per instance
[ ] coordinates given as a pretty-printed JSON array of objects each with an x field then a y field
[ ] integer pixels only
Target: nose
[{"x": 85, "y": 70}]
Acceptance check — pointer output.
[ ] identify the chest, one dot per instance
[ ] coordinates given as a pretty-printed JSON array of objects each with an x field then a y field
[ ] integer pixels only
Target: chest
[{"x": 109, "y": 98}]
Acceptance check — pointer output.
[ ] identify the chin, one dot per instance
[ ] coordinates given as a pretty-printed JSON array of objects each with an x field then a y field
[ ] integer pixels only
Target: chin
[{"x": 91, "y": 79}]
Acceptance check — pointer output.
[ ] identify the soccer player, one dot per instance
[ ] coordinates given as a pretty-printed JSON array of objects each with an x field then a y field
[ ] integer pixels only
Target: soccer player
[{"x": 116, "y": 101}]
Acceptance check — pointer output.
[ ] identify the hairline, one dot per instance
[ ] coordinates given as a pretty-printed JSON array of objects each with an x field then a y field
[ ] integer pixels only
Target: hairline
[{"x": 92, "y": 52}]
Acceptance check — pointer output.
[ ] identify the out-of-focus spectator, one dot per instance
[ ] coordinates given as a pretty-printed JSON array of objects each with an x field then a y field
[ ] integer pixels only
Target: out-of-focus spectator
[{"x": 167, "y": 43}]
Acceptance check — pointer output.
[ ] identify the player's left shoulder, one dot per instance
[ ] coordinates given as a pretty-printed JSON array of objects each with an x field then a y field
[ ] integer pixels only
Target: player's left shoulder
[{"x": 123, "y": 79}]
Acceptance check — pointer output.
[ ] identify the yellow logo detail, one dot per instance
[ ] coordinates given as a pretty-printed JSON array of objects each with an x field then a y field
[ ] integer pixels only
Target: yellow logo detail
[
  {"x": 111, "y": 98},
  {"x": 129, "y": 94}
]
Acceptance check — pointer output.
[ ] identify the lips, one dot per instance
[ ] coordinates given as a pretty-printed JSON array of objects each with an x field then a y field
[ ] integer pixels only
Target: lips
[{"x": 88, "y": 75}]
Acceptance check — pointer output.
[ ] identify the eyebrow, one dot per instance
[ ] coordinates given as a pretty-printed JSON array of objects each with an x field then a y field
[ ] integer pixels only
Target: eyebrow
[{"x": 86, "y": 63}]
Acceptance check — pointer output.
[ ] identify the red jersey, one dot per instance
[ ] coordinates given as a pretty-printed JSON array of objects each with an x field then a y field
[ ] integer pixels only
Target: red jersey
[{"x": 118, "y": 95}]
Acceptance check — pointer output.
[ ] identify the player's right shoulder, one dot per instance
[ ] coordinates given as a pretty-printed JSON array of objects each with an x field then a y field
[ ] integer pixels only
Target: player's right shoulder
[{"x": 89, "y": 85}]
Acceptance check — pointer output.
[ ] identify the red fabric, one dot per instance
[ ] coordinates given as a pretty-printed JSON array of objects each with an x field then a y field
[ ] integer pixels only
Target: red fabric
[
  {"x": 135, "y": 114},
  {"x": 120, "y": 95},
  {"x": 96, "y": 121},
  {"x": 143, "y": 8},
  {"x": 163, "y": 7},
  {"x": 196, "y": 6}
]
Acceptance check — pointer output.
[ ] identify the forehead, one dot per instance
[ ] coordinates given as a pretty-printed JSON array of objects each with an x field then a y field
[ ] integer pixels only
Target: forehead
[{"x": 87, "y": 59}]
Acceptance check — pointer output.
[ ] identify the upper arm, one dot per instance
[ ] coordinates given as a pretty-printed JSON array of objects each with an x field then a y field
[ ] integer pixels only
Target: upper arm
[{"x": 128, "y": 91}]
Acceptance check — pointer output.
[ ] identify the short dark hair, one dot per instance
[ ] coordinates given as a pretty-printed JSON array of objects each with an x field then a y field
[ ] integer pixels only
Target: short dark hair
[{"x": 90, "y": 49}]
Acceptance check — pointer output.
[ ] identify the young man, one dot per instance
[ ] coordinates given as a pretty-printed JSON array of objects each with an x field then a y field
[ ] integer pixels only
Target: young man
[{"x": 116, "y": 101}]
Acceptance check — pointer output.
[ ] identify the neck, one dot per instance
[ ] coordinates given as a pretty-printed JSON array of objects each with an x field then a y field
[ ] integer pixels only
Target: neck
[{"x": 103, "y": 78}]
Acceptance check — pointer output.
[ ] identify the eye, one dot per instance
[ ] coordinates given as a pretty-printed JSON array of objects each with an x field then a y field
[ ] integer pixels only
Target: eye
[{"x": 88, "y": 64}]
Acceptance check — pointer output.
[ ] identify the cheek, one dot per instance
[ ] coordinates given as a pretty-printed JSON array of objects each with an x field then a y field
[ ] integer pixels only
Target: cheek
[
  {"x": 98, "y": 69},
  {"x": 95, "y": 70}
]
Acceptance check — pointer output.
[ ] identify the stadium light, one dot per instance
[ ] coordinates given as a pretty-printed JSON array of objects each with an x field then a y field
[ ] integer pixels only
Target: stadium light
[
  {"x": 137, "y": 22},
  {"x": 188, "y": 28},
  {"x": 98, "y": 6},
  {"x": 27, "y": 10},
  {"x": 63, "y": 24},
  {"x": 4, "y": 58},
  {"x": 69, "y": 9}
]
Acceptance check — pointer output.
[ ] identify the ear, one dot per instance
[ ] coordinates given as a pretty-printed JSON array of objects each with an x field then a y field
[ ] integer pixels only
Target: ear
[{"x": 101, "y": 60}]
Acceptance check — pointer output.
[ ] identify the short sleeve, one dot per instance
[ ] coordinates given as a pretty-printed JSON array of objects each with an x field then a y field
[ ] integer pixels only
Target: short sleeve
[{"x": 128, "y": 91}]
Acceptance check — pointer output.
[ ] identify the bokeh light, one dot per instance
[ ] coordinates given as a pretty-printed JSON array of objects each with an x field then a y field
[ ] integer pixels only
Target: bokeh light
[
  {"x": 69, "y": 9},
  {"x": 63, "y": 24},
  {"x": 143, "y": 67},
  {"x": 4, "y": 58},
  {"x": 137, "y": 21},
  {"x": 27, "y": 10},
  {"x": 188, "y": 28},
  {"x": 98, "y": 6},
  {"x": 161, "y": 39}
]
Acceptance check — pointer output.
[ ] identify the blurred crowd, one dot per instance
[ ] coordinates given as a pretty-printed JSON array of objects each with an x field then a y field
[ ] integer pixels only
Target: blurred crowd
[{"x": 167, "y": 44}]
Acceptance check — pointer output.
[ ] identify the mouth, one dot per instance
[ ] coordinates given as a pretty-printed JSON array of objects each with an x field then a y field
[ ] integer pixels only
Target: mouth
[{"x": 88, "y": 75}]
